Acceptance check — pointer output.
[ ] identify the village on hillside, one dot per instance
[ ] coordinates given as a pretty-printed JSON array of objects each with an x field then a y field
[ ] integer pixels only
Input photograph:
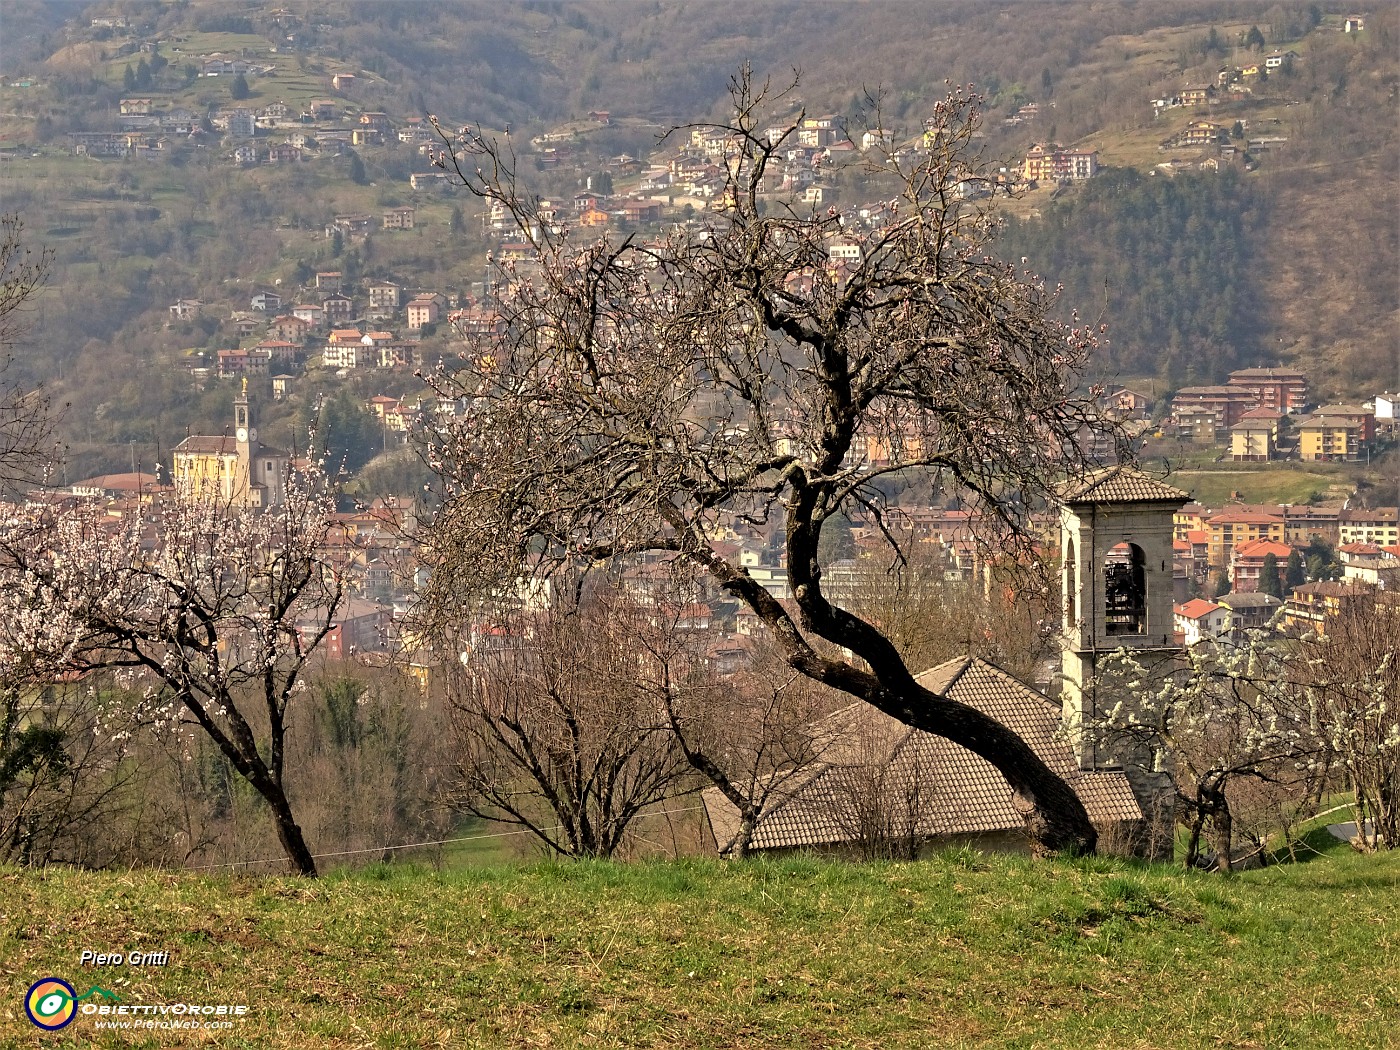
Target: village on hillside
[
  {"x": 1235, "y": 567},
  {"x": 338, "y": 325},
  {"x": 1157, "y": 571},
  {"x": 363, "y": 320}
]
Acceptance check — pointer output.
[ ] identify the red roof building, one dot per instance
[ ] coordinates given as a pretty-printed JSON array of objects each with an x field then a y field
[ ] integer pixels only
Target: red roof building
[
  {"x": 1247, "y": 563},
  {"x": 1199, "y": 619},
  {"x": 1238, "y": 525}
]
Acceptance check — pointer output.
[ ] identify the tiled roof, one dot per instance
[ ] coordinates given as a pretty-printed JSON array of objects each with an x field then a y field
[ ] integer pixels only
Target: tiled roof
[
  {"x": 1359, "y": 548},
  {"x": 1361, "y": 515},
  {"x": 199, "y": 444},
  {"x": 1196, "y": 608},
  {"x": 1246, "y": 516},
  {"x": 1261, "y": 547},
  {"x": 1332, "y": 589},
  {"x": 1238, "y": 602},
  {"x": 1267, "y": 373},
  {"x": 943, "y": 788},
  {"x": 1121, "y": 485},
  {"x": 128, "y": 482}
]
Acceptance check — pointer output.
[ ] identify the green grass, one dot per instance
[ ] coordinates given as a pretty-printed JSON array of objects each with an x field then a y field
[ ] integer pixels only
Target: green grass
[
  {"x": 958, "y": 951},
  {"x": 1213, "y": 478},
  {"x": 1214, "y": 487}
]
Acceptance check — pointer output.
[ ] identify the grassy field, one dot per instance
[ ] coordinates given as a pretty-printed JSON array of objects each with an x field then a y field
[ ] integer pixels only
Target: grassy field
[
  {"x": 1213, "y": 479},
  {"x": 961, "y": 950},
  {"x": 1215, "y": 487}
]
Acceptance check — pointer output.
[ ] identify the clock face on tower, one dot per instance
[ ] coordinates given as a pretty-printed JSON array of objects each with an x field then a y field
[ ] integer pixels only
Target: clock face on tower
[
  {"x": 252, "y": 433},
  {"x": 242, "y": 433}
]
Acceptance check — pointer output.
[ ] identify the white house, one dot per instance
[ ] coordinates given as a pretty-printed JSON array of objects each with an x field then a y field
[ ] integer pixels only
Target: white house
[{"x": 1199, "y": 619}]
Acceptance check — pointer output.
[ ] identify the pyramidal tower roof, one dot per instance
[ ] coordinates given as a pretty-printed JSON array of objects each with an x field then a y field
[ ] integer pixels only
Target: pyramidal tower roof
[{"x": 1120, "y": 485}]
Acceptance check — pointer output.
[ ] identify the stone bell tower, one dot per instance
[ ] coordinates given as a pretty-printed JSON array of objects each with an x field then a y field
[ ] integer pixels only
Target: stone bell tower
[{"x": 1116, "y": 573}]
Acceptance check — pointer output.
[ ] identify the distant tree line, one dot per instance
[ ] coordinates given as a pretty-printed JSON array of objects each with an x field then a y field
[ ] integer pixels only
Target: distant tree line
[{"x": 1171, "y": 264}]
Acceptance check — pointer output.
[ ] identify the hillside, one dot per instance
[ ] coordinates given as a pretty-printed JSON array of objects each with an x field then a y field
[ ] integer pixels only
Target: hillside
[
  {"x": 1301, "y": 274},
  {"x": 962, "y": 950}
]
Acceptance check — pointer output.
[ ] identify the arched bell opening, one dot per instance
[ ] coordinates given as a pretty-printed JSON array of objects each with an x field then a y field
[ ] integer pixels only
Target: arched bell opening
[
  {"x": 1125, "y": 590},
  {"x": 1071, "y": 586}
]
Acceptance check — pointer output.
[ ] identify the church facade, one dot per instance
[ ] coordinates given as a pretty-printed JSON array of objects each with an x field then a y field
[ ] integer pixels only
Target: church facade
[{"x": 236, "y": 468}]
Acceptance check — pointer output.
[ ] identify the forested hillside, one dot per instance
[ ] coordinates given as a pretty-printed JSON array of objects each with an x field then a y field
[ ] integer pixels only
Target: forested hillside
[{"x": 1172, "y": 266}]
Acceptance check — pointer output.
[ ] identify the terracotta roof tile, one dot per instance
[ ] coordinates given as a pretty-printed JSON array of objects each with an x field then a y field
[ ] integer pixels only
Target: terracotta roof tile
[
  {"x": 1245, "y": 516},
  {"x": 1261, "y": 547},
  {"x": 1121, "y": 485},
  {"x": 1196, "y": 608},
  {"x": 203, "y": 445},
  {"x": 949, "y": 789}
]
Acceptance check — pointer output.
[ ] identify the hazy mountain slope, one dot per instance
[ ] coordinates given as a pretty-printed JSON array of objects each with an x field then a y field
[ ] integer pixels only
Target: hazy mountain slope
[{"x": 132, "y": 236}]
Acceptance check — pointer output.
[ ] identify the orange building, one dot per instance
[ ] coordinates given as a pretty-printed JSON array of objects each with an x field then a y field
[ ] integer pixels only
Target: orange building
[{"x": 1237, "y": 526}]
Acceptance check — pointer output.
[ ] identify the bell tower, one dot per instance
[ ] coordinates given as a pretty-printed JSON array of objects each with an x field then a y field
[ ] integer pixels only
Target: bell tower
[
  {"x": 245, "y": 437},
  {"x": 245, "y": 432},
  {"x": 1116, "y": 584}
]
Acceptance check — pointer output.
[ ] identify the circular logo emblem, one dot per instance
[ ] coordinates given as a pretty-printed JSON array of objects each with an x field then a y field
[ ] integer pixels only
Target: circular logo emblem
[{"x": 51, "y": 1003}]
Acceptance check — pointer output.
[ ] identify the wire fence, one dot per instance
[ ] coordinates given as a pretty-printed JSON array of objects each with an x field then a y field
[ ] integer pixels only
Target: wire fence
[{"x": 414, "y": 845}]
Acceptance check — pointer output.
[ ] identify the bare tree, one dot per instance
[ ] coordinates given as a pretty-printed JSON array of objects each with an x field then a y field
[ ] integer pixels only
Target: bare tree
[
  {"x": 647, "y": 396},
  {"x": 218, "y": 609},
  {"x": 1006, "y": 618},
  {"x": 749, "y": 732},
  {"x": 881, "y": 791},
  {"x": 372, "y": 760},
  {"x": 559, "y": 727},
  {"x": 26, "y": 426}
]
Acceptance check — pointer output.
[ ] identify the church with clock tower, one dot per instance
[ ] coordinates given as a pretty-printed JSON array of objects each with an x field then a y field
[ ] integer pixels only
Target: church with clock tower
[{"x": 236, "y": 468}]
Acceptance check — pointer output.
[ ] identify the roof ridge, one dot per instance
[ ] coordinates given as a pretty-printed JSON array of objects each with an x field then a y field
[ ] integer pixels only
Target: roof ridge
[
  {"x": 1119, "y": 483},
  {"x": 1012, "y": 680},
  {"x": 957, "y": 677}
]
